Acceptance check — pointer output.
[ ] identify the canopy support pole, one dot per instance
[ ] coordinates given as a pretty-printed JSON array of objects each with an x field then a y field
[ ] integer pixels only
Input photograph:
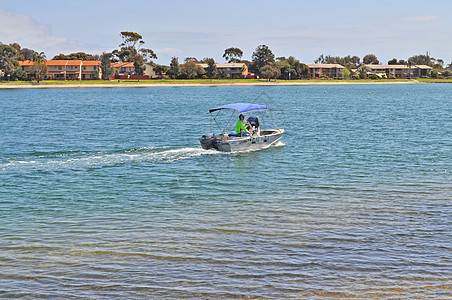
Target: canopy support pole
[
  {"x": 215, "y": 119},
  {"x": 271, "y": 119},
  {"x": 228, "y": 122}
]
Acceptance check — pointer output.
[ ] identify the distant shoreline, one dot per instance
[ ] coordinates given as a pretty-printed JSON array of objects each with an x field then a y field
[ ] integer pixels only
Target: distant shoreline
[{"x": 187, "y": 83}]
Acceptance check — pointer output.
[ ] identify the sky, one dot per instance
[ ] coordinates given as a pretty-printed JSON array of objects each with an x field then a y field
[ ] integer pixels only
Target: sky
[{"x": 199, "y": 28}]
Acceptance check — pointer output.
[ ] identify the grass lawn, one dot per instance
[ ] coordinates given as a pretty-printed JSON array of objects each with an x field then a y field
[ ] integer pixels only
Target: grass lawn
[
  {"x": 432, "y": 80},
  {"x": 151, "y": 81}
]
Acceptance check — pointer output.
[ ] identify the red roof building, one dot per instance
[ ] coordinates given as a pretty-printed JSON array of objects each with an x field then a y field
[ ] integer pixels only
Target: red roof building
[{"x": 67, "y": 69}]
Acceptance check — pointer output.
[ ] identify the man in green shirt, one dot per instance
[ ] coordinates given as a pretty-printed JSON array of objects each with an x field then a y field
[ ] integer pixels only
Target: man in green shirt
[{"x": 240, "y": 126}]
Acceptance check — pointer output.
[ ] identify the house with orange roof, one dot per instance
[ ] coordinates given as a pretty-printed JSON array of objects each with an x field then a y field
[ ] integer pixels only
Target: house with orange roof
[
  {"x": 67, "y": 69},
  {"x": 328, "y": 70},
  {"x": 91, "y": 69},
  {"x": 124, "y": 67},
  {"x": 126, "y": 70},
  {"x": 26, "y": 66},
  {"x": 230, "y": 70},
  {"x": 399, "y": 71}
]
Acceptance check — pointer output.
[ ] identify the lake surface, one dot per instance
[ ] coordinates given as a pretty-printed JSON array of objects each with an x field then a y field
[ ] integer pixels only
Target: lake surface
[{"x": 106, "y": 193}]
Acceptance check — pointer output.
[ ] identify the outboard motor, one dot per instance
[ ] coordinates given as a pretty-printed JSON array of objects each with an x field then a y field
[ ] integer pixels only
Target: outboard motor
[{"x": 207, "y": 141}]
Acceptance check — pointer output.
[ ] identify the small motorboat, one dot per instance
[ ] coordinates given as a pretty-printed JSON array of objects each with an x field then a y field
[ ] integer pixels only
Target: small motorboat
[{"x": 230, "y": 142}]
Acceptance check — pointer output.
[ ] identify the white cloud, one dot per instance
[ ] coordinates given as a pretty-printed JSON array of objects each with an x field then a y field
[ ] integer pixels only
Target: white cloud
[{"x": 22, "y": 29}]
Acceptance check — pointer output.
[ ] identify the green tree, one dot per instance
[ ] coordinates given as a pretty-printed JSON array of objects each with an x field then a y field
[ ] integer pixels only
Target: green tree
[
  {"x": 18, "y": 73},
  {"x": 130, "y": 39},
  {"x": 39, "y": 57},
  {"x": 192, "y": 70},
  {"x": 105, "y": 65},
  {"x": 355, "y": 61},
  {"x": 346, "y": 73},
  {"x": 362, "y": 72},
  {"x": 75, "y": 56},
  {"x": 131, "y": 45},
  {"x": 288, "y": 67},
  {"x": 304, "y": 70},
  {"x": 27, "y": 54},
  {"x": 175, "y": 69},
  {"x": 188, "y": 59},
  {"x": 320, "y": 59},
  {"x": 232, "y": 55},
  {"x": 435, "y": 73},
  {"x": 130, "y": 51},
  {"x": 139, "y": 65},
  {"x": 392, "y": 61},
  {"x": 39, "y": 68},
  {"x": 270, "y": 71},
  {"x": 18, "y": 48},
  {"x": 370, "y": 59},
  {"x": 427, "y": 60},
  {"x": 350, "y": 62},
  {"x": 291, "y": 68},
  {"x": 22, "y": 53},
  {"x": 211, "y": 69},
  {"x": 7, "y": 61},
  {"x": 148, "y": 55},
  {"x": 261, "y": 57},
  {"x": 159, "y": 70},
  {"x": 61, "y": 57},
  {"x": 420, "y": 60},
  {"x": 438, "y": 64}
]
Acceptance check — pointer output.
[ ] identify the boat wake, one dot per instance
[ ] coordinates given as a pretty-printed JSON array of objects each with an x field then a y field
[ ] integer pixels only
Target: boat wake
[
  {"x": 61, "y": 161},
  {"x": 279, "y": 144},
  {"x": 82, "y": 160}
]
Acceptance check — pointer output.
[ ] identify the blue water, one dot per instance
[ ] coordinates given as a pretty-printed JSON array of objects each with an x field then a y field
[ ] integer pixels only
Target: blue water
[{"x": 105, "y": 193}]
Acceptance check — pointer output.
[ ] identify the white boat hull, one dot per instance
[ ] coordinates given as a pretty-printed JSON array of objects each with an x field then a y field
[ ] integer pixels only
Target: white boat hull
[{"x": 267, "y": 138}]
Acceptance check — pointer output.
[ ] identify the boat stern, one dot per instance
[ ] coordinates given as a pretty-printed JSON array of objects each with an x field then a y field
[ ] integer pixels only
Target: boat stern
[{"x": 207, "y": 141}]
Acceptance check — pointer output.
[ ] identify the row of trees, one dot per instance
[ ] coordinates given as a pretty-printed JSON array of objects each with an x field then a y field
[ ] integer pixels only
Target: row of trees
[
  {"x": 130, "y": 50},
  {"x": 10, "y": 55},
  {"x": 354, "y": 62},
  {"x": 265, "y": 65},
  {"x": 263, "y": 62}
]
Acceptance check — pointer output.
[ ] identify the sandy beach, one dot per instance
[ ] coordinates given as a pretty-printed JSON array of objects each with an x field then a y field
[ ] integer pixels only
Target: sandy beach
[{"x": 44, "y": 85}]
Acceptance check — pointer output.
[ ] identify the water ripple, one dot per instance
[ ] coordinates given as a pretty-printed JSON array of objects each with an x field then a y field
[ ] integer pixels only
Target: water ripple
[{"x": 109, "y": 195}]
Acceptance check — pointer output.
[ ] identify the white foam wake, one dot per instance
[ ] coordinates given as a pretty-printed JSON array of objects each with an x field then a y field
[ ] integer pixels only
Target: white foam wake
[
  {"x": 279, "y": 144},
  {"x": 101, "y": 159}
]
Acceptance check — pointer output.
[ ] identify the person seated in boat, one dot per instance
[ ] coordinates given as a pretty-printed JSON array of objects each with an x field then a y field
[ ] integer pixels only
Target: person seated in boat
[
  {"x": 254, "y": 126},
  {"x": 240, "y": 127}
]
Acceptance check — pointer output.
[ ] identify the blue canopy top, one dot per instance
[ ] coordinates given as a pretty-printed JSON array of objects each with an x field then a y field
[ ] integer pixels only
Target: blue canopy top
[{"x": 241, "y": 107}]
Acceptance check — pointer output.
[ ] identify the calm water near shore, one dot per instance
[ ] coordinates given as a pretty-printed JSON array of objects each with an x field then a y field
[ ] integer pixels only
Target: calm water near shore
[{"x": 105, "y": 193}]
